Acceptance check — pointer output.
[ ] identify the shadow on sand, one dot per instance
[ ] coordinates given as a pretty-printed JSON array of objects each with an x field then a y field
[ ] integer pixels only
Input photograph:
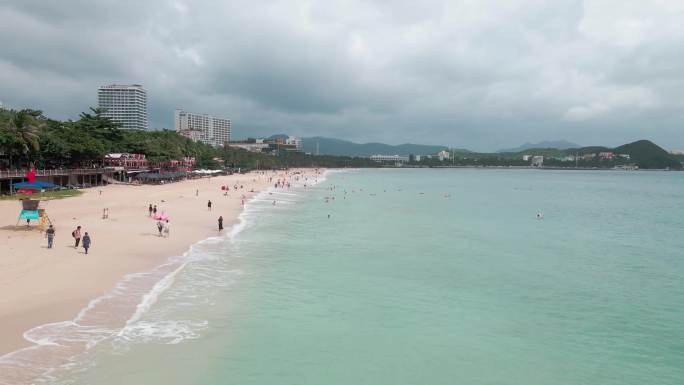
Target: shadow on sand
[{"x": 20, "y": 228}]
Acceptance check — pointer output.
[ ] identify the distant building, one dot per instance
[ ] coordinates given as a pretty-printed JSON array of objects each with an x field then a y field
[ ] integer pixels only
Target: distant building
[
  {"x": 202, "y": 128},
  {"x": 606, "y": 155},
  {"x": 273, "y": 146},
  {"x": 389, "y": 158},
  {"x": 537, "y": 161},
  {"x": 588, "y": 156},
  {"x": 124, "y": 104},
  {"x": 527, "y": 158},
  {"x": 125, "y": 160},
  {"x": 252, "y": 145},
  {"x": 417, "y": 158},
  {"x": 624, "y": 156},
  {"x": 294, "y": 141},
  {"x": 442, "y": 155}
]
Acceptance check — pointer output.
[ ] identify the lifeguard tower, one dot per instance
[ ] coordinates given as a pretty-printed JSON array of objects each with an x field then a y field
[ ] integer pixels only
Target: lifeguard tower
[{"x": 34, "y": 210}]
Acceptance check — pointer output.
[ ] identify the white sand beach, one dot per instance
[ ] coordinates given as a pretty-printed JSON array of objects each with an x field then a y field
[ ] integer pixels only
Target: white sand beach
[{"x": 42, "y": 285}]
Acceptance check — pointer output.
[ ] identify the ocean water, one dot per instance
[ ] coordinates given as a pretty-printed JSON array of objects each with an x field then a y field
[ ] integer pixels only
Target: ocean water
[{"x": 421, "y": 277}]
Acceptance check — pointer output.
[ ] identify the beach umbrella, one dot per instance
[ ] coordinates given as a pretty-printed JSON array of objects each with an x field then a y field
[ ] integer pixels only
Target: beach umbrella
[
  {"x": 26, "y": 191},
  {"x": 39, "y": 185}
]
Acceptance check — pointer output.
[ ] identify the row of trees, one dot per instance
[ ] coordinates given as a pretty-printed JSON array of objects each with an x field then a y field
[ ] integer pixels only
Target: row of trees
[{"x": 27, "y": 137}]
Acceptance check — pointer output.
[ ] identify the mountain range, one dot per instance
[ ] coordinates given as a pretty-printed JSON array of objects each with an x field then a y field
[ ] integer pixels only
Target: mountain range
[
  {"x": 644, "y": 153},
  {"x": 557, "y": 144},
  {"x": 331, "y": 146}
]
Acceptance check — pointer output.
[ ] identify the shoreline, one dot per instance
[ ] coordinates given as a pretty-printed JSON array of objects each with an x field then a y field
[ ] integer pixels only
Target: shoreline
[{"x": 49, "y": 290}]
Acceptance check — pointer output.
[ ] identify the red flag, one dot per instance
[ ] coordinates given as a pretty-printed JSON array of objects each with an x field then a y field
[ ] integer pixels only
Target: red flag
[{"x": 31, "y": 175}]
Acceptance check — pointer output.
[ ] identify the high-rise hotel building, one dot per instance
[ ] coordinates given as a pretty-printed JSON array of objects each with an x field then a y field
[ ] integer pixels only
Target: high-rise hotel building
[
  {"x": 203, "y": 128},
  {"x": 124, "y": 104}
]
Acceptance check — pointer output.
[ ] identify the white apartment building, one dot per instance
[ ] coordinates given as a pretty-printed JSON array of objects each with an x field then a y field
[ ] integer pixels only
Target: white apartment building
[
  {"x": 202, "y": 127},
  {"x": 256, "y": 146},
  {"x": 389, "y": 158},
  {"x": 537, "y": 161},
  {"x": 124, "y": 104},
  {"x": 295, "y": 141}
]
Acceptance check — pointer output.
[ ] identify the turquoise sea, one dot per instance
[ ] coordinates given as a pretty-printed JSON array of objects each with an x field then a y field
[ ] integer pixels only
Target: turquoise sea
[{"x": 423, "y": 277}]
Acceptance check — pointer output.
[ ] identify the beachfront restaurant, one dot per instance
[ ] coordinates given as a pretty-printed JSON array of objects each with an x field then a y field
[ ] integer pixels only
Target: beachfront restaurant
[{"x": 65, "y": 178}]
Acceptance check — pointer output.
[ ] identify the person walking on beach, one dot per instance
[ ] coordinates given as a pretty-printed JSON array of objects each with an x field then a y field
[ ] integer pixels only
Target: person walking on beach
[
  {"x": 209, "y": 205},
  {"x": 86, "y": 242},
  {"x": 167, "y": 229},
  {"x": 77, "y": 236},
  {"x": 50, "y": 234},
  {"x": 149, "y": 211},
  {"x": 154, "y": 210},
  {"x": 160, "y": 227},
  {"x": 220, "y": 222}
]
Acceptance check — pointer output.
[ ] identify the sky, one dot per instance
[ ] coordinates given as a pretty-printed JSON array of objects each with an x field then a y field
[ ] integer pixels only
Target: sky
[{"x": 477, "y": 74}]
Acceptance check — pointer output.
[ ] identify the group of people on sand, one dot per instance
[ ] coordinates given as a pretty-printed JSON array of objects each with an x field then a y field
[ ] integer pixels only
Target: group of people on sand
[
  {"x": 152, "y": 210},
  {"x": 163, "y": 225},
  {"x": 84, "y": 240},
  {"x": 164, "y": 228},
  {"x": 77, "y": 238}
]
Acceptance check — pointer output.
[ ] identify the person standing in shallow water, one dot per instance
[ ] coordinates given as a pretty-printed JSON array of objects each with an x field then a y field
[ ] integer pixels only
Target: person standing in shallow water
[
  {"x": 86, "y": 242},
  {"x": 220, "y": 223}
]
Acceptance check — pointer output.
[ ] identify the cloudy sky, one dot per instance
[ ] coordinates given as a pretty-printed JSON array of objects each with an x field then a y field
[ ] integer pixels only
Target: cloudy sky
[{"x": 481, "y": 74}]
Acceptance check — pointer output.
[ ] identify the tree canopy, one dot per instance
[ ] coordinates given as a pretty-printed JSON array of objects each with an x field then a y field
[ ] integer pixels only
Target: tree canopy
[{"x": 27, "y": 137}]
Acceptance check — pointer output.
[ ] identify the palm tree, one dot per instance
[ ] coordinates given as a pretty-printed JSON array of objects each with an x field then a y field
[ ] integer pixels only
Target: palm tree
[{"x": 25, "y": 128}]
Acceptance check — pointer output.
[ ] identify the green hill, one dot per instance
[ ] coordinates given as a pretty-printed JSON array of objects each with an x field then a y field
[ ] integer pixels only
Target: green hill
[
  {"x": 647, "y": 154},
  {"x": 331, "y": 146},
  {"x": 556, "y": 144}
]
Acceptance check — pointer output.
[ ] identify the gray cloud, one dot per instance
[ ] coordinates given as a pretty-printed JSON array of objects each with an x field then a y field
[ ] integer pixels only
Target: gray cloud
[{"x": 480, "y": 74}]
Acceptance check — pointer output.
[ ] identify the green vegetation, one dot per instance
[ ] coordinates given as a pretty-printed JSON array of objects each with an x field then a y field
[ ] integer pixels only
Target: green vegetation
[
  {"x": 27, "y": 137},
  {"x": 644, "y": 154},
  {"x": 48, "y": 195},
  {"x": 647, "y": 154}
]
